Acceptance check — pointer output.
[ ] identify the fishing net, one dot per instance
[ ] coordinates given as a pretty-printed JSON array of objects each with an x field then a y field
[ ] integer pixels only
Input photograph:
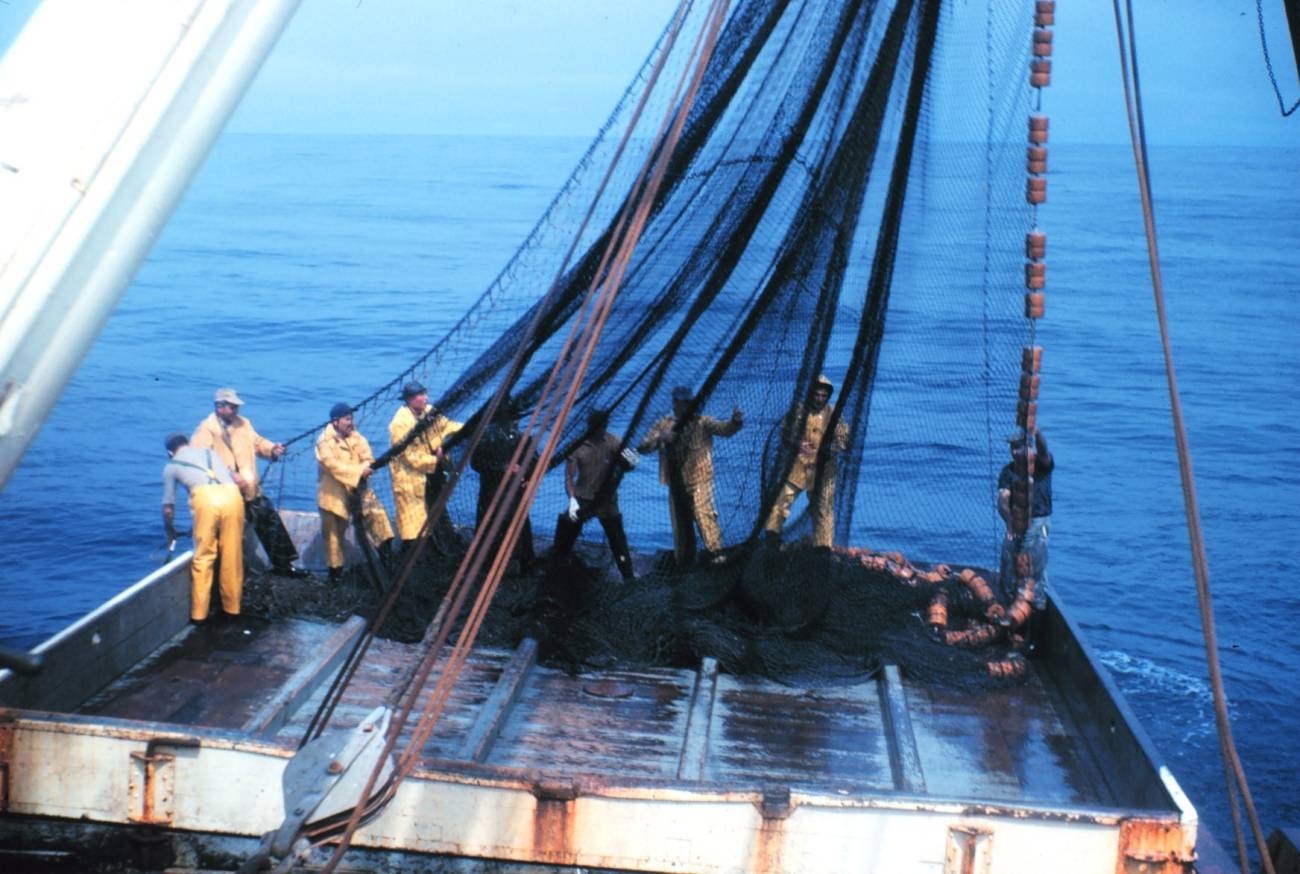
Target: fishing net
[{"x": 846, "y": 199}]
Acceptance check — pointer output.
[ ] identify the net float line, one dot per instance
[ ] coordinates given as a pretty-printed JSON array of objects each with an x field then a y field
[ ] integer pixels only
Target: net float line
[{"x": 936, "y": 615}]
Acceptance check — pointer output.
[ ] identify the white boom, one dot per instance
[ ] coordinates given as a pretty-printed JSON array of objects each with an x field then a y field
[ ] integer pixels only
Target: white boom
[{"x": 107, "y": 110}]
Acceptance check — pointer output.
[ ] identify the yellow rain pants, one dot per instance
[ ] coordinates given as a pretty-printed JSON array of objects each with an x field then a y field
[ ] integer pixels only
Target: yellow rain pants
[
  {"x": 218, "y": 512},
  {"x": 334, "y": 528}
]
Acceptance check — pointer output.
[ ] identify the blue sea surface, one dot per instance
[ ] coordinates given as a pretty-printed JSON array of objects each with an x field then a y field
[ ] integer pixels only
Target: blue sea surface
[{"x": 305, "y": 270}]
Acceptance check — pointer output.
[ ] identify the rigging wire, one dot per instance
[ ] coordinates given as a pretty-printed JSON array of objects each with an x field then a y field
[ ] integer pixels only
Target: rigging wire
[
  {"x": 1232, "y": 763},
  {"x": 568, "y": 371},
  {"x": 1268, "y": 62}
]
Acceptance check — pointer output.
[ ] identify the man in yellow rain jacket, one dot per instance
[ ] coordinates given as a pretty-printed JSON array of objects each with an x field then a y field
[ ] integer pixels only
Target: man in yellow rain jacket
[
  {"x": 685, "y": 444},
  {"x": 420, "y": 460},
  {"x": 344, "y": 457},
  {"x": 233, "y": 438},
  {"x": 218, "y": 512},
  {"x": 804, "y": 431}
]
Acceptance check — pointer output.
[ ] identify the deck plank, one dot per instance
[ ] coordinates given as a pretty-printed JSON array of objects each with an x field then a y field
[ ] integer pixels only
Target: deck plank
[
  {"x": 1003, "y": 745},
  {"x": 772, "y": 733},
  {"x": 215, "y": 675},
  {"x": 558, "y": 725}
]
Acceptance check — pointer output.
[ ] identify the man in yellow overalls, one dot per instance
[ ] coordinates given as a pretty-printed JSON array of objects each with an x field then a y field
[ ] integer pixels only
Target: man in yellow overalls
[
  {"x": 685, "y": 444},
  {"x": 232, "y": 437},
  {"x": 421, "y": 461},
  {"x": 344, "y": 457},
  {"x": 804, "y": 431},
  {"x": 218, "y": 511}
]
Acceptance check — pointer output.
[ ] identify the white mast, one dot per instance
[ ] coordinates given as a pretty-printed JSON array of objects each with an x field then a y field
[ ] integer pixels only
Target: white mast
[{"x": 107, "y": 110}]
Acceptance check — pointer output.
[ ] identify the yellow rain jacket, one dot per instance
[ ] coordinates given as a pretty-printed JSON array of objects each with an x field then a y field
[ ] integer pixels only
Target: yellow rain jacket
[
  {"x": 409, "y": 469},
  {"x": 341, "y": 462},
  {"x": 804, "y": 471},
  {"x": 238, "y": 445},
  {"x": 694, "y": 446}
]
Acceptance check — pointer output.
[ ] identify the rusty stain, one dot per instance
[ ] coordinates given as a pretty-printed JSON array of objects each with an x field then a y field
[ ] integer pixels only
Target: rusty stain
[
  {"x": 149, "y": 812},
  {"x": 1153, "y": 845},
  {"x": 553, "y": 821},
  {"x": 608, "y": 689},
  {"x": 769, "y": 847}
]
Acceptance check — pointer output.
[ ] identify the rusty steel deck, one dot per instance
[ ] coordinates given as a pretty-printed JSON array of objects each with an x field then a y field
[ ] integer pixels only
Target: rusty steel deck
[
  {"x": 1007, "y": 745},
  {"x": 190, "y": 728}
]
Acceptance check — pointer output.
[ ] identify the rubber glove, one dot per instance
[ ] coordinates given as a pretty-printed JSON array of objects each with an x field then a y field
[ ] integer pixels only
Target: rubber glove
[
  {"x": 573, "y": 509},
  {"x": 631, "y": 456}
]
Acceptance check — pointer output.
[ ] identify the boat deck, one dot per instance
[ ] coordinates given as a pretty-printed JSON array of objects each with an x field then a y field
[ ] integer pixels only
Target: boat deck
[
  {"x": 1014, "y": 745},
  {"x": 191, "y": 728}
]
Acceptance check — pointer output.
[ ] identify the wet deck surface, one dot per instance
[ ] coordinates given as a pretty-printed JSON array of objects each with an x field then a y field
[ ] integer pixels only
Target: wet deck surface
[{"x": 1010, "y": 745}]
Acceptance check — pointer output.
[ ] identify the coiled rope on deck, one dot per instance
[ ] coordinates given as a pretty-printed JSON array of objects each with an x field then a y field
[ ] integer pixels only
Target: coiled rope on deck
[{"x": 1235, "y": 774}]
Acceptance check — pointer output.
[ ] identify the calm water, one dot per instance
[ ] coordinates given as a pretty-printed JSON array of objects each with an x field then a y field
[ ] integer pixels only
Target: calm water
[{"x": 303, "y": 270}]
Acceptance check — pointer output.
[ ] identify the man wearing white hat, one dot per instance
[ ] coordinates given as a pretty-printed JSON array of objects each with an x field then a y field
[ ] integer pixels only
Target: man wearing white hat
[{"x": 237, "y": 443}]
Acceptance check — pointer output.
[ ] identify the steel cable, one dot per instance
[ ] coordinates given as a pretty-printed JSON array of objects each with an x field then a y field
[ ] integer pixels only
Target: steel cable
[
  {"x": 565, "y": 366},
  {"x": 1232, "y": 763}
]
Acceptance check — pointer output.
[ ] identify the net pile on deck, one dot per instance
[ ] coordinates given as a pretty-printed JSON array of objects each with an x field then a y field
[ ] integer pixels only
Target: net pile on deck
[{"x": 846, "y": 198}]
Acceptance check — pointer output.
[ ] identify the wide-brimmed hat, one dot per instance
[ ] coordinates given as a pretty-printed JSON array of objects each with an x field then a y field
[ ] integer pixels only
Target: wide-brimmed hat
[
  {"x": 411, "y": 389},
  {"x": 227, "y": 396},
  {"x": 339, "y": 410},
  {"x": 175, "y": 440}
]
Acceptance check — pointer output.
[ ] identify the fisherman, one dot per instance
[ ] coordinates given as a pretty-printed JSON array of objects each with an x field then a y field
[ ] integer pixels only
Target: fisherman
[
  {"x": 218, "y": 511},
  {"x": 804, "y": 432},
  {"x": 421, "y": 462},
  {"x": 684, "y": 441},
  {"x": 492, "y": 460},
  {"x": 238, "y": 444},
  {"x": 591, "y": 476},
  {"x": 345, "y": 456},
  {"x": 1033, "y": 542}
]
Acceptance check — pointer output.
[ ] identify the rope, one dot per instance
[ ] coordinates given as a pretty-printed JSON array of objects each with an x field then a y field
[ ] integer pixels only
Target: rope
[
  {"x": 1268, "y": 62},
  {"x": 1232, "y": 763},
  {"x": 568, "y": 370},
  {"x": 321, "y": 719}
]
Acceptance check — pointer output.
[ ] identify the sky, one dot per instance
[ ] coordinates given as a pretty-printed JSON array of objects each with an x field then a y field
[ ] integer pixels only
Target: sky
[{"x": 556, "y": 67}]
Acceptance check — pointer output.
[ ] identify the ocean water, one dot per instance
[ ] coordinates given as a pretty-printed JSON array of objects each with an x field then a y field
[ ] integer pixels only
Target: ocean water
[{"x": 309, "y": 269}]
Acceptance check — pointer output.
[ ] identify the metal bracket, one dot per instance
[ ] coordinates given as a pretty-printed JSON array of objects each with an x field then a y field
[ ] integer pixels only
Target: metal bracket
[
  {"x": 152, "y": 789},
  {"x": 970, "y": 850}
]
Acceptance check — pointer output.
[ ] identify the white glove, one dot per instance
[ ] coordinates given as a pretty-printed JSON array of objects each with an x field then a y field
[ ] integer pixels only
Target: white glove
[
  {"x": 631, "y": 456},
  {"x": 573, "y": 509}
]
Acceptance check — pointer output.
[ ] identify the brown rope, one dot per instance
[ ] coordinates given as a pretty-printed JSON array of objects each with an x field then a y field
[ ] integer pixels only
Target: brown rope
[
  {"x": 567, "y": 371},
  {"x": 1232, "y": 763},
  {"x": 346, "y": 673},
  {"x": 628, "y": 236}
]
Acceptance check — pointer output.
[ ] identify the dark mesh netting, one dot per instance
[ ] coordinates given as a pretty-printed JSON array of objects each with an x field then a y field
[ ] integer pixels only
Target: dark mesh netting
[{"x": 846, "y": 199}]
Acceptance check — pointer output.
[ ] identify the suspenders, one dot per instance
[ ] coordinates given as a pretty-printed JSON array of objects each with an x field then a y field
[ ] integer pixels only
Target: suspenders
[{"x": 212, "y": 474}]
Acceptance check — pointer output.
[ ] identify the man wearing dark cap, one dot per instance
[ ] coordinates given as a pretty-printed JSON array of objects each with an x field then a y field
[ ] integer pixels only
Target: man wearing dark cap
[
  {"x": 685, "y": 444},
  {"x": 813, "y": 469},
  {"x": 1030, "y": 546},
  {"x": 218, "y": 512},
  {"x": 233, "y": 438},
  {"x": 344, "y": 457},
  {"x": 421, "y": 460}
]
